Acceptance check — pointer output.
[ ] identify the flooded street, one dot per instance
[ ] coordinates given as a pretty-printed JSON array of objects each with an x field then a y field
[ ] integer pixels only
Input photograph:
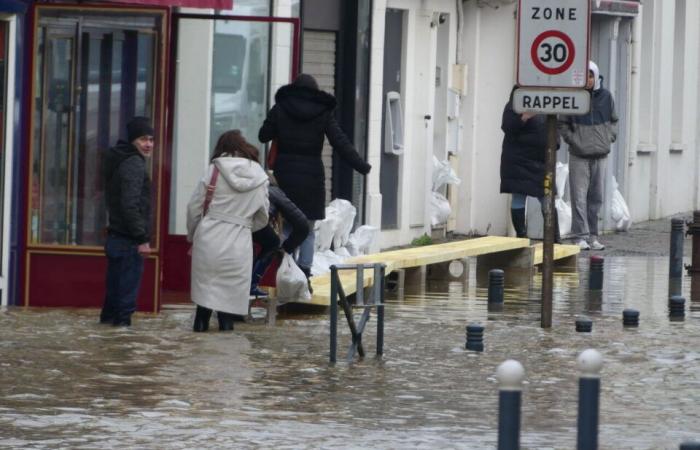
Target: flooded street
[{"x": 68, "y": 382}]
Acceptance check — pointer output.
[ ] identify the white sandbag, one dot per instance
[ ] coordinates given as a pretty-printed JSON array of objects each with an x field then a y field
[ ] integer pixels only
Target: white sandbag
[
  {"x": 291, "y": 282},
  {"x": 342, "y": 253},
  {"x": 619, "y": 211},
  {"x": 443, "y": 174},
  {"x": 361, "y": 240},
  {"x": 564, "y": 216},
  {"x": 439, "y": 209},
  {"x": 325, "y": 230},
  {"x": 323, "y": 261},
  {"x": 562, "y": 176},
  {"x": 344, "y": 212}
]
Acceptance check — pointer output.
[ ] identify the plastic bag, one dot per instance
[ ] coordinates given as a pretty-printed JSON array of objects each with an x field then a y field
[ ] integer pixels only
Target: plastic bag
[
  {"x": 344, "y": 213},
  {"x": 323, "y": 261},
  {"x": 619, "y": 212},
  {"x": 564, "y": 216},
  {"x": 439, "y": 208},
  {"x": 443, "y": 174},
  {"x": 360, "y": 242},
  {"x": 291, "y": 282},
  {"x": 324, "y": 229},
  {"x": 562, "y": 176}
]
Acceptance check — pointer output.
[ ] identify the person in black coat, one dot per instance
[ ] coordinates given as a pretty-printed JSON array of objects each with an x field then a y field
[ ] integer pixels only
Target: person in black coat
[
  {"x": 300, "y": 119},
  {"x": 523, "y": 162}
]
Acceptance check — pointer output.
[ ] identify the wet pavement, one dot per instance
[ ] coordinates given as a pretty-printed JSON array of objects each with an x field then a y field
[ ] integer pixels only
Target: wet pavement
[{"x": 68, "y": 382}]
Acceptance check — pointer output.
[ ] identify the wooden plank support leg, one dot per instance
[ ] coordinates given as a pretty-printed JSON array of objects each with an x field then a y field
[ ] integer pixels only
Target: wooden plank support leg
[
  {"x": 521, "y": 258},
  {"x": 567, "y": 264},
  {"x": 271, "y": 317},
  {"x": 414, "y": 278},
  {"x": 455, "y": 270}
]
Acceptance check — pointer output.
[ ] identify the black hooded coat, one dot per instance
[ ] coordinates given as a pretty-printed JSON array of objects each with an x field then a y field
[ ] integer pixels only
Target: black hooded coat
[
  {"x": 300, "y": 119},
  {"x": 523, "y": 153}
]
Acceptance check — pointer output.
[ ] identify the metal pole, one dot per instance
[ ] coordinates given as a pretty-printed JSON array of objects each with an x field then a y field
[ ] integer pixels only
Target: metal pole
[
  {"x": 548, "y": 245},
  {"x": 360, "y": 283},
  {"x": 589, "y": 362},
  {"x": 334, "y": 313},
  {"x": 510, "y": 376},
  {"x": 675, "y": 269},
  {"x": 379, "y": 299}
]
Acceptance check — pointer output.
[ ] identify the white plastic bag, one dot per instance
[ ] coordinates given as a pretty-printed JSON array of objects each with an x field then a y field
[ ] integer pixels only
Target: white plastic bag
[
  {"x": 619, "y": 212},
  {"x": 344, "y": 213},
  {"x": 324, "y": 229},
  {"x": 562, "y": 176},
  {"x": 291, "y": 282},
  {"x": 361, "y": 240},
  {"x": 564, "y": 216},
  {"x": 440, "y": 208},
  {"x": 443, "y": 174},
  {"x": 323, "y": 260}
]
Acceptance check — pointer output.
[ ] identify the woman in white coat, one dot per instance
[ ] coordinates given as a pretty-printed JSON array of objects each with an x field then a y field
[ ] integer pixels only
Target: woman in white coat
[{"x": 222, "y": 248}]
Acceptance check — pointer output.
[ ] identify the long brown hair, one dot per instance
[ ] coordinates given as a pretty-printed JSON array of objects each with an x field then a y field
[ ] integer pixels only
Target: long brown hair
[{"x": 232, "y": 143}]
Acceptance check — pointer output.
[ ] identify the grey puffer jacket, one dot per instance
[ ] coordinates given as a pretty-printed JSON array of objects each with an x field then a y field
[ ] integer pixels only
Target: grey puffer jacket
[
  {"x": 128, "y": 192},
  {"x": 590, "y": 135}
]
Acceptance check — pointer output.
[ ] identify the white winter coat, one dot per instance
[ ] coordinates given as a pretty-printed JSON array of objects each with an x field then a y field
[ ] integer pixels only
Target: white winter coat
[{"x": 222, "y": 246}]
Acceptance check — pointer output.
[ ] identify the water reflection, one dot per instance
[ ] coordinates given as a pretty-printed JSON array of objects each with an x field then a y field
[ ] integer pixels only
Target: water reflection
[{"x": 70, "y": 382}]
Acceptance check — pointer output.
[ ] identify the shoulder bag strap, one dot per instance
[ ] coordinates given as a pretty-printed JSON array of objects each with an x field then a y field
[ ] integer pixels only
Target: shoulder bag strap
[{"x": 210, "y": 190}]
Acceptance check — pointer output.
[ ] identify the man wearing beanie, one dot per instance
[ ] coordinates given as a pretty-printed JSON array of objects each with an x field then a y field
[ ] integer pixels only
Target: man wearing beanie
[
  {"x": 589, "y": 137},
  {"x": 128, "y": 198}
]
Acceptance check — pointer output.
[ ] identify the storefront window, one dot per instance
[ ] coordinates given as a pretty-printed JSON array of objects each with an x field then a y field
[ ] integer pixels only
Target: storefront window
[{"x": 93, "y": 73}]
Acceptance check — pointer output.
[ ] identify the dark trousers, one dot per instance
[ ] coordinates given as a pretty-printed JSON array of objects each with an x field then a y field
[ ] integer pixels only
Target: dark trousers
[{"x": 124, "y": 270}]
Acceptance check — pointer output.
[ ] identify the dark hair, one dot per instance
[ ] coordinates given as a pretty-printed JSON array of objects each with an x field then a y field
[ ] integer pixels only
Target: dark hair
[
  {"x": 307, "y": 81},
  {"x": 232, "y": 143}
]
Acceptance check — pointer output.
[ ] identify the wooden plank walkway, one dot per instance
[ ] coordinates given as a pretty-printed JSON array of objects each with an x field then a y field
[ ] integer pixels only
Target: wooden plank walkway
[{"x": 426, "y": 255}]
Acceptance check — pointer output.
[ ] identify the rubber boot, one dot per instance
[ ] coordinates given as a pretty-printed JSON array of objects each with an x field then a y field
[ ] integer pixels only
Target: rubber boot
[
  {"x": 557, "y": 235},
  {"x": 201, "y": 319},
  {"x": 518, "y": 218},
  {"x": 225, "y": 321},
  {"x": 307, "y": 272}
]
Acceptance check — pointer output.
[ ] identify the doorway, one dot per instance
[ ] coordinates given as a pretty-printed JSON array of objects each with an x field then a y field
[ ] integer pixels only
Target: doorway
[{"x": 7, "y": 66}]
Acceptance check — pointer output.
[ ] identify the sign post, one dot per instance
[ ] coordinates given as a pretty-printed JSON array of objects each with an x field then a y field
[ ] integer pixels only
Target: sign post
[{"x": 553, "y": 43}]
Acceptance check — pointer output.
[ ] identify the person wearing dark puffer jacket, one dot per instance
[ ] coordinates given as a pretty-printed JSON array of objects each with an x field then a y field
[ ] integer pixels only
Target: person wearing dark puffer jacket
[
  {"x": 522, "y": 163},
  {"x": 128, "y": 197},
  {"x": 300, "y": 119}
]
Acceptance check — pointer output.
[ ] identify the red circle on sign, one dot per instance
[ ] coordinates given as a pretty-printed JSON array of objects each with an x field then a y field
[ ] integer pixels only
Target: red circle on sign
[{"x": 569, "y": 46}]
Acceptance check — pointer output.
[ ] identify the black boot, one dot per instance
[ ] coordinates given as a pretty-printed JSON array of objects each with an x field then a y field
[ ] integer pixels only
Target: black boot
[
  {"x": 225, "y": 321},
  {"x": 307, "y": 272},
  {"x": 557, "y": 235},
  {"x": 518, "y": 218},
  {"x": 201, "y": 319}
]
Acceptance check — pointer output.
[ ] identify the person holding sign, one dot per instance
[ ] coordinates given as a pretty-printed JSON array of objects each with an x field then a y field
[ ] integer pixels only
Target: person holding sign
[
  {"x": 589, "y": 137},
  {"x": 522, "y": 162}
]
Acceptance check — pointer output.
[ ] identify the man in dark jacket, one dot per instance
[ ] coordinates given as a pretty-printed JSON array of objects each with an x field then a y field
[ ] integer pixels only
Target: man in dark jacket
[
  {"x": 128, "y": 195},
  {"x": 302, "y": 116},
  {"x": 589, "y": 138}
]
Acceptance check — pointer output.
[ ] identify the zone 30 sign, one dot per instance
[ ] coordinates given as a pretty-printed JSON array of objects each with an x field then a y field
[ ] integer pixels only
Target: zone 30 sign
[{"x": 553, "y": 43}]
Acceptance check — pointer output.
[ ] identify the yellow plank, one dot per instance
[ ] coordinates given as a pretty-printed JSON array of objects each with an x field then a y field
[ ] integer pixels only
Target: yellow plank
[{"x": 560, "y": 252}]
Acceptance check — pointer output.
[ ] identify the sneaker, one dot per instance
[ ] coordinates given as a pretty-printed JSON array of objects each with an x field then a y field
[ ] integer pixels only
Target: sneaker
[
  {"x": 595, "y": 245},
  {"x": 583, "y": 245},
  {"x": 257, "y": 292}
]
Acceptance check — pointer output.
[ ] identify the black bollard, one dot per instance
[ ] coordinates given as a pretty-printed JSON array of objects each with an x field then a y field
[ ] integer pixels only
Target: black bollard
[
  {"x": 510, "y": 376},
  {"x": 675, "y": 269},
  {"x": 475, "y": 337},
  {"x": 690, "y": 446},
  {"x": 595, "y": 274},
  {"x": 589, "y": 362},
  {"x": 676, "y": 306},
  {"x": 630, "y": 318},
  {"x": 584, "y": 325},
  {"x": 496, "y": 279}
]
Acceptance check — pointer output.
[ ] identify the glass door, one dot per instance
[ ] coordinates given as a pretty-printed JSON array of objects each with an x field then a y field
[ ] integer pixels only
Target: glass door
[{"x": 226, "y": 68}]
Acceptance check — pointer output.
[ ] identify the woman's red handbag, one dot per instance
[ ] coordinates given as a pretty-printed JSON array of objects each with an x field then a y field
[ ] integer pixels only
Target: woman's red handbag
[{"x": 269, "y": 277}]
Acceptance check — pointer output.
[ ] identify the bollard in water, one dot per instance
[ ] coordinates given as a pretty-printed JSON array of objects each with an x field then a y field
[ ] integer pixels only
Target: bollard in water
[
  {"x": 475, "y": 337},
  {"x": 630, "y": 318},
  {"x": 690, "y": 446},
  {"x": 496, "y": 279},
  {"x": 675, "y": 269},
  {"x": 584, "y": 325},
  {"x": 595, "y": 274},
  {"x": 676, "y": 306},
  {"x": 589, "y": 363},
  {"x": 510, "y": 376}
]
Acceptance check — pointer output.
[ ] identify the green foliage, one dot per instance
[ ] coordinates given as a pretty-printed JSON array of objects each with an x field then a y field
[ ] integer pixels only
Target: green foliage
[{"x": 422, "y": 240}]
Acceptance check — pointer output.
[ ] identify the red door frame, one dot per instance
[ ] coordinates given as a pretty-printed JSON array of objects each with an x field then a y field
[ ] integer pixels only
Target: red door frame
[{"x": 174, "y": 246}]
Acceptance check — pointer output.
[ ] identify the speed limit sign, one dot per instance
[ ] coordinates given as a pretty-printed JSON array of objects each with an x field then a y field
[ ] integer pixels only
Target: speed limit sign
[{"x": 553, "y": 43}]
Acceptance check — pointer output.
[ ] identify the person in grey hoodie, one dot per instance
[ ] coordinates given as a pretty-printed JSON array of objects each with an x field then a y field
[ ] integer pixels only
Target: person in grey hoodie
[{"x": 589, "y": 137}]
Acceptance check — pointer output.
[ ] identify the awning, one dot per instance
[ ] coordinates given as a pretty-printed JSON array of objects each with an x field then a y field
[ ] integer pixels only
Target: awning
[
  {"x": 616, "y": 7},
  {"x": 211, "y": 4}
]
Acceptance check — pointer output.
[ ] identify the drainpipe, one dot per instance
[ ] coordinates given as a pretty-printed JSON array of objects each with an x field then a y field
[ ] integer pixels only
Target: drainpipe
[
  {"x": 636, "y": 45},
  {"x": 460, "y": 31}
]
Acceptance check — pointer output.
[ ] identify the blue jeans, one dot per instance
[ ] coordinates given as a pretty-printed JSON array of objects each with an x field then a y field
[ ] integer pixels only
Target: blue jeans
[
  {"x": 306, "y": 249},
  {"x": 518, "y": 201},
  {"x": 124, "y": 270}
]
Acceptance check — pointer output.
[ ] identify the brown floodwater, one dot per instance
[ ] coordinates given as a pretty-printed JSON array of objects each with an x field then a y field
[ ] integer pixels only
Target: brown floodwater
[{"x": 68, "y": 382}]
